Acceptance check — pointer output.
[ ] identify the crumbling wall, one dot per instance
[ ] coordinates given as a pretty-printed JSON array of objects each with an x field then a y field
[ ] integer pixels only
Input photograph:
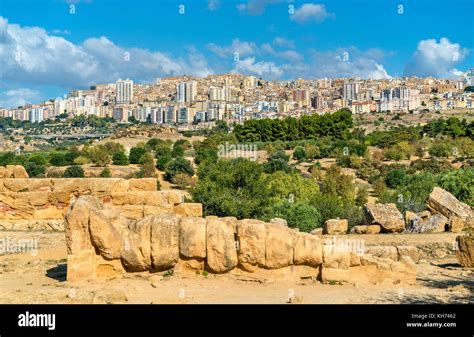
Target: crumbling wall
[
  {"x": 102, "y": 242},
  {"x": 41, "y": 204}
]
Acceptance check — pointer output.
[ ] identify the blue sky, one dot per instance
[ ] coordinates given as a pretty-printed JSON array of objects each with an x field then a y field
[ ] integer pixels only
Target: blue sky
[{"x": 45, "y": 50}]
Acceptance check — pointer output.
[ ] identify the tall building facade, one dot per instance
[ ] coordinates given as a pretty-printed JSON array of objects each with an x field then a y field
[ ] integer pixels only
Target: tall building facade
[
  {"x": 124, "y": 91},
  {"x": 187, "y": 92},
  {"x": 350, "y": 90}
]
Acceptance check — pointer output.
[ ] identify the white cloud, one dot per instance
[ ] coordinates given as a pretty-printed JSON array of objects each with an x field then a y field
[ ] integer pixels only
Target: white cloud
[
  {"x": 242, "y": 47},
  {"x": 31, "y": 55},
  {"x": 213, "y": 5},
  {"x": 261, "y": 68},
  {"x": 349, "y": 62},
  {"x": 436, "y": 59},
  {"x": 310, "y": 12},
  {"x": 17, "y": 97},
  {"x": 282, "y": 42},
  {"x": 255, "y": 7}
]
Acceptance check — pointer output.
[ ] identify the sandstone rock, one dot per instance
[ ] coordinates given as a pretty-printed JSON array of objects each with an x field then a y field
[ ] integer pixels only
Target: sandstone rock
[
  {"x": 279, "y": 249},
  {"x": 362, "y": 229},
  {"x": 366, "y": 229},
  {"x": 80, "y": 266},
  {"x": 164, "y": 241},
  {"x": 335, "y": 226},
  {"x": 335, "y": 258},
  {"x": 156, "y": 210},
  {"x": 106, "y": 239},
  {"x": 231, "y": 221},
  {"x": 410, "y": 217},
  {"x": 443, "y": 202},
  {"x": 49, "y": 213},
  {"x": 279, "y": 221},
  {"x": 380, "y": 263},
  {"x": 76, "y": 186},
  {"x": 20, "y": 172},
  {"x": 251, "y": 245},
  {"x": 386, "y": 215},
  {"x": 42, "y": 185},
  {"x": 405, "y": 266},
  {"x": 188, "y": 209},
  {"x": 77, "y": 224},
  {"x": 456, "y": 224},
  {"x": 388, "y": 252},
  {"x": 465, "y": 250},
  {"x": 307, "y": 250},
  {"x": 136, "y": 252},
  {"x": 221, "y": 246},
  {"x": 355, "y": 259},
  {"x": 127, "y": 198},
  {"x": 37, "y": 198},
  {"x": 410, "y": 251},
  {"x": 424, "y": 214},
  {"x": 373, "y": 229},
  {"x": 188, "y": 267},
  {"x": 142, "y": 184},
  {"x": 317, "y": 231},
  {"x": 135, "y": 212},
  {"x": 192, "y": 237},
  {"x": 334, "y": 275},
  {"x": 155, "y": 198},
  {"x": 175, "y": 197},
  {"x": 108, "y": 269},
  {"x": 16, "y": 185},
  {"x": 59, "y": 198},
  {"x": 435, "y": 223}
]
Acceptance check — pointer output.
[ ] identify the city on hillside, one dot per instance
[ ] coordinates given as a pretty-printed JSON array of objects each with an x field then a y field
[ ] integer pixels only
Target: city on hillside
[{"x": 190, "y": 101}]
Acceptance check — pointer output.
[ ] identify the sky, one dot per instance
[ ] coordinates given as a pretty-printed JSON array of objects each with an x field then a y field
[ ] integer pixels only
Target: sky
[{"x": 50, "y": 47}]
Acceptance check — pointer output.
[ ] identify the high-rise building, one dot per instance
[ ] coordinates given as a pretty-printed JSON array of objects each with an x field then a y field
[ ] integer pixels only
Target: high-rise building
[
  {"x": 318, "y": 102},
  {"x": 124, "y": 91},
  {"x": 187, "y": 91},
  {"x": 350, "y": 90}
]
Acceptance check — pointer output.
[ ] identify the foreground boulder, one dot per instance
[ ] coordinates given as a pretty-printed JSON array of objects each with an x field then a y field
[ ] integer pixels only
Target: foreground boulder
[
  {"x": 387, "y": 216},
  {"x": 164, "y": 241},
  {"x": 435, "y": 223},
  {"x": 77, "y": 224},
  {"x": 251, "y": 245},
  {"x": 136, "y": 252},
  {"x": 465, "y": 250},
  {"x": 221, "y": 246},
  {"x": 335, "y": 226},
  {"x": 442, "y": 202},
  {"x": 104, "y": 236}
]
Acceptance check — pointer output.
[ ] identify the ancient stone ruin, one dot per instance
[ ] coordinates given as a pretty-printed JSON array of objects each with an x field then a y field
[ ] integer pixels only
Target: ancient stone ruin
[
  {"x": 117, "y": 226},
  {"x": 102, "y": 243}
]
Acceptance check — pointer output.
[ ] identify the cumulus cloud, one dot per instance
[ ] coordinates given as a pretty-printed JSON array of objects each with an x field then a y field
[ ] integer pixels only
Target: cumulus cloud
[
  {"x": 282, "y": 42},
  {"x": 255, "y": 7},
  {"x": 349, "y": 62},
  {"x": 242, "y": 47},
  {"x": 31, "y": 55},
  {"x": 262, "y": 68},
  {"x": 436, "y": 59},
  {"x": 17, "y": 97},
  {"x": 310, "y": 12}
]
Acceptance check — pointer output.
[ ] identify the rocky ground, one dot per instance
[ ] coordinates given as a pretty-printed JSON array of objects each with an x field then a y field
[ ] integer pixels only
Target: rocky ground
[{"x": 41, "y": 278}]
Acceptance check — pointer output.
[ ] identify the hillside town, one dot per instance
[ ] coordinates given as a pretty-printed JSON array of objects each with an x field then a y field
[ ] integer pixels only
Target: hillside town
[{"x": 235, "y": 98}]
